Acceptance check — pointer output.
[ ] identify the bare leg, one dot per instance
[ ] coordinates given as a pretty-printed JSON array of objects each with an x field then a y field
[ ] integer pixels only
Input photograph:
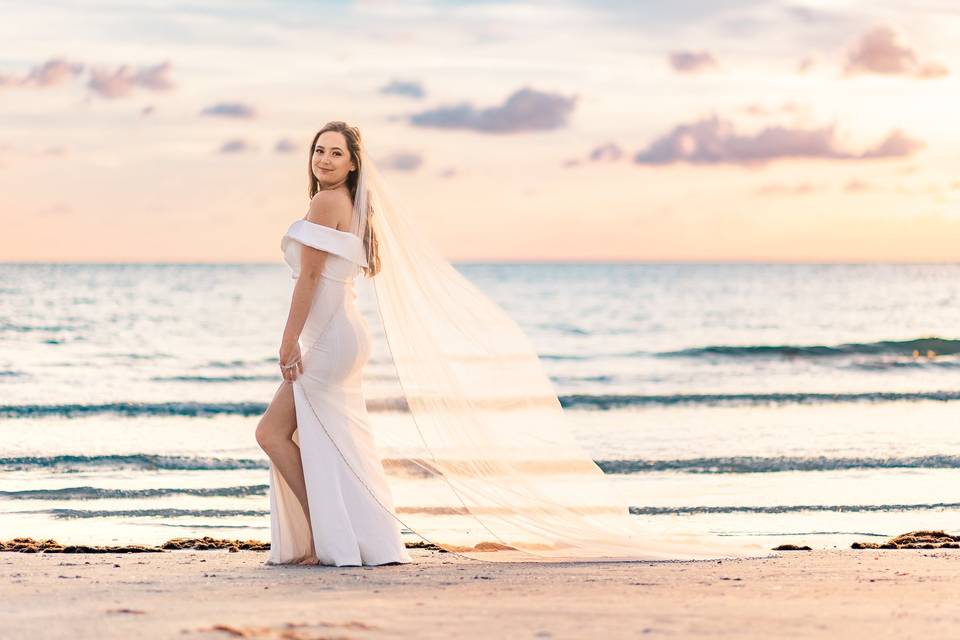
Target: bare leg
[{"x": 274, "y": 435}]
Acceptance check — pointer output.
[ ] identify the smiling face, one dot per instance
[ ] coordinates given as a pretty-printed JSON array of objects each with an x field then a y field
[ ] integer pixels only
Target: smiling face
[{"x": 331, "y": 160}]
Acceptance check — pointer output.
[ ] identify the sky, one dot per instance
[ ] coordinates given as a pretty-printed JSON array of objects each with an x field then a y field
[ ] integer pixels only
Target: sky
[{"x": 802, "y": 130}]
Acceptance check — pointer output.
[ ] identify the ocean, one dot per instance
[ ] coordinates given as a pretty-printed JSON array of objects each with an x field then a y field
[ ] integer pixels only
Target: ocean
[{"x": 802, "y": 403}]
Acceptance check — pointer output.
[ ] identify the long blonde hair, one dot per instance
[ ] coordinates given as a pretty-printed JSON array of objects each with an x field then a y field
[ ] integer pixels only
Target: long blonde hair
[{"x": 352, "y": 136}]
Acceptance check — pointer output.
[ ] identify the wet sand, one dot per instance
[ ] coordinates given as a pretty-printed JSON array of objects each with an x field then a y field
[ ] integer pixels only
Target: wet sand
[{"x": 220, "y": 594}]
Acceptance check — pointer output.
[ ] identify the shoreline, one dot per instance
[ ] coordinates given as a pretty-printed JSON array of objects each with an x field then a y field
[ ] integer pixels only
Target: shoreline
[{"x": 919, "y": 539}]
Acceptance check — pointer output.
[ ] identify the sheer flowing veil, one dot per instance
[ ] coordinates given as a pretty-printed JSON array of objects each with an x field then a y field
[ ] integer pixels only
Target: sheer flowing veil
[{"x": 482, "y": 435}]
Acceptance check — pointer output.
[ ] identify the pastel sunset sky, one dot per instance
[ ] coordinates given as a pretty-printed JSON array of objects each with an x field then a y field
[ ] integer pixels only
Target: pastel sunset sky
[{"x": 823, "y": 130}]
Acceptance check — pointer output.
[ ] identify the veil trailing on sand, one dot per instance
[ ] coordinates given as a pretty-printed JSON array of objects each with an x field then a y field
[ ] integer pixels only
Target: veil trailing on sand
[{"x": 482, "y": 435}]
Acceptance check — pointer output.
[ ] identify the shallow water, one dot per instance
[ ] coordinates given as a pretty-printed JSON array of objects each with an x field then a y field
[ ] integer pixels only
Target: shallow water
[{"x": 815, "y": 404}]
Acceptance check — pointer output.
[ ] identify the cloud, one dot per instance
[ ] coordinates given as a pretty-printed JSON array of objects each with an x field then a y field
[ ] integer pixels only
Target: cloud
[
  {"x": 780, "y": 188},
  {"x": 230, "y": 110},
  {"x": 106, "y": 83},
  {"x": 156, "y": 78},
  {"x": 805, "y": 65},
  {"x": 932, "y": 70},
  {"x": 121, "y": 81},
  {"x": 236, "y": 145},
  {"x": 895, "y": 145},
  {"x": 285, "y": 145},
  {"x": 809, "y": 15},
  {"x": 692, "y": 61},
  {"x": 404, "y": 88},
  {"x": 878, "y": 51},
  {"x": 53, "y": 210},
  {"x": 610, "y": 151},
  {"x": 714, "y": 141},
  {"x": 51, "y": 73},
  {"x": 857, "y": 186},
  {"x": 759, "y": 109},
  {"x": 525, "y": 110},
  {"x": 401, "y": 161}
]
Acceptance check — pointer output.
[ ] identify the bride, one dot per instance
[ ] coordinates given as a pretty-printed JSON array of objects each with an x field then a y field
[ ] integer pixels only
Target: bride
[
  {"x": 480, "y": 435},
  {"x": 320, "y": 400}
]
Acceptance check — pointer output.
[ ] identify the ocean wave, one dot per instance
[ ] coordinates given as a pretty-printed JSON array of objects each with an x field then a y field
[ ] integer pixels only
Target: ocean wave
[
  {"x": 919, "y": 346},
  {"x": 234, "y": 378},
  {"x": 793, "y": 508},
  {"x": 134, "y": 356},
  {"x": 566, "y": 356},
  {"x": 597, "y": 402},
  {"x": 142, "y": 461},
  {"x": 579, "y": 379},
  {"x": 96, "y": 493},
  {"x": 154, "y": 462},
  {"x": 190, "y": 409},
  {"x": 215, "y": 526},
  {"x": 604, "y": 402},
  {"x": 233, "y": 364},
  {"x": 47, "y": 328},
  {"x": 421, "y": 468},
  {"x": 912, "y": 363},
  {"x": 72, "y": 514},
  {"x": 757, "y": 464}
]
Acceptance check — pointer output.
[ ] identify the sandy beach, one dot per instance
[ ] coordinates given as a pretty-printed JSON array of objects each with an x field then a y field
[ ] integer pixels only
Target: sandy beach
[{"x": 218, "y": 594}]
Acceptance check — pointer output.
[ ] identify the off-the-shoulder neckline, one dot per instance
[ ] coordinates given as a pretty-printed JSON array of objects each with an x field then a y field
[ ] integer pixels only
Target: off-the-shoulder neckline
[{"x": 347, "y": 233}]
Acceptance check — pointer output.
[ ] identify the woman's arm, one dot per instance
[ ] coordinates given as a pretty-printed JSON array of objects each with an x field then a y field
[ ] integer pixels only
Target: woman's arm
[
  {"x": 326, "y": 208},
  {"x": 300, "y": 303}
]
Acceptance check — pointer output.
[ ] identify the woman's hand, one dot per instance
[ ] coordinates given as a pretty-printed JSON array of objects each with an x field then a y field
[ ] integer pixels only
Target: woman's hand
[{"x": 290, "y": 354}]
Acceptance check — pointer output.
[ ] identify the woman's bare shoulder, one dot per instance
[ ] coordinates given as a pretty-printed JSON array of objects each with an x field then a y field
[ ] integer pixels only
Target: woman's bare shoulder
[{"x": 331, "y": 209}]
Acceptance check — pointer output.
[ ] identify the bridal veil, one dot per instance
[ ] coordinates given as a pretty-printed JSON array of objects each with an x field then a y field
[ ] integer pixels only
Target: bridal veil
[{"x": 481, "y": 432}]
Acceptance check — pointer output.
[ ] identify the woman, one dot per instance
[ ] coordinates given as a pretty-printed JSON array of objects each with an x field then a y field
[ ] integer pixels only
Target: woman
[
  {"x": 497, "y": 474},
  {"x": 352, "y": 524}
]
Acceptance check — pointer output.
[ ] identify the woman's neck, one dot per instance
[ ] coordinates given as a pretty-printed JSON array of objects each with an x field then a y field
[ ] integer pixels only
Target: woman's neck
[{"x": 321, "y": 187}]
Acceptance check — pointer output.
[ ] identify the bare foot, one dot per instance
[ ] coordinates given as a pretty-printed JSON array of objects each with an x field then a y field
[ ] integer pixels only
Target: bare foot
[{"x": 310, "y": 559}]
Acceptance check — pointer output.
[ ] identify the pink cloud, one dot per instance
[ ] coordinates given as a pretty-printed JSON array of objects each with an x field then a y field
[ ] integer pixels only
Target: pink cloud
[
  {"x": 716, "y": 141},
  {"x": 932, "y": 70},
  {"x": 401, "y": 161},
  {"x": 156, "y": 77},
  {"x": 51, "y": 73},
  {"x": 230, "y": 110},
  {"x": 286, "y": 145},
  {"x": 121, "y": 81},
  {"x": 758, "y": 109},
  {"x": 236, "y": 145},
  {"x": 878, "y": 51},
  {"x": 524, "y": 110},
  {"x": 779, "y": 188},
  {"x": 857, "y": 186},
  {"x": 895, "y": 145},
  {"x": 692, "y": 61},
  {"x": 609, "y": 151}
]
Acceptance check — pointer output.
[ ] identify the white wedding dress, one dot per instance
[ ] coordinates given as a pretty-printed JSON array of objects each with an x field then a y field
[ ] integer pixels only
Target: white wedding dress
[{"x": 351, "y": 506}]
